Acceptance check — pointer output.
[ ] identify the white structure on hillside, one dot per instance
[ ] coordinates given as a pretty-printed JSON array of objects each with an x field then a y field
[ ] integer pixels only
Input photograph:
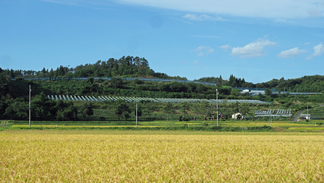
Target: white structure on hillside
[{"x": 236, "y": 115}]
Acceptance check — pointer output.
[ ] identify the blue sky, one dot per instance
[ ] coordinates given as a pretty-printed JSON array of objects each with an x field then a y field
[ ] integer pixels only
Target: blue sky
[{"x": 257, "y": 40}]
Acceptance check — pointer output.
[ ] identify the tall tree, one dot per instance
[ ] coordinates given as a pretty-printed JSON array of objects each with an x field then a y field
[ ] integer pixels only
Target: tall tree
[
  {"x": 268, "y": 92},
  {"x": 87, "y": 109},
  {"x": 122, "y": 109}
]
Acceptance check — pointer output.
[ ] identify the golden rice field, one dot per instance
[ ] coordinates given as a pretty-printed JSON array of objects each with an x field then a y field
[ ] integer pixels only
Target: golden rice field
[{"x": 155, "y": 156}]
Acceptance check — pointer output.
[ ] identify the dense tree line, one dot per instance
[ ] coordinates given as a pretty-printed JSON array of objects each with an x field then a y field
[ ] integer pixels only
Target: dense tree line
[
  {"x": 126, "y": 67},
  {"x": 303, "y": 84},
  {"x": 14, "y": 103},
  {"x": 42, "y": 109},
  {"x": 130, "y": 66},
  {"x": 135, "y": 88},
  {"x": 232, "y": 81}
]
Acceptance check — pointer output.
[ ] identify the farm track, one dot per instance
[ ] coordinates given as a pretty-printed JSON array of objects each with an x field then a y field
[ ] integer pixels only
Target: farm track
[{"x": 297, "y": 116}]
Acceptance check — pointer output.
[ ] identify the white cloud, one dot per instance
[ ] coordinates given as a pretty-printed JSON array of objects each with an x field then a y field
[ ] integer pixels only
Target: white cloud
[
  {"x": 254, "y": 49},
  {"x": 318, "y": 50},
  {"x": 196, "y": 17},
  {"x": 277, "y": 9},
  {"x": 203, "y": 17},
  {"x": 225, "y": 47},
  {"x": 246, "y": 8},
  {"x": 291, "y": 52},
  {"x": 203, "y": 50}
]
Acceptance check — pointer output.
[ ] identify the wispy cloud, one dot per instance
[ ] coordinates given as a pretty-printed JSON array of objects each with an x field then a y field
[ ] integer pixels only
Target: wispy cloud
[
  {"x": 291, "y": 52},
  {"x": 318, "y": 50},
  {"x": 254, "y": 49},
  {"x": 225, "y": 47},
  {"x": 203, "y": 50},
  {"x": 202, "y": 17},
  {"x": 276, "y": 9},
  {"x": 248, "y": 8}
]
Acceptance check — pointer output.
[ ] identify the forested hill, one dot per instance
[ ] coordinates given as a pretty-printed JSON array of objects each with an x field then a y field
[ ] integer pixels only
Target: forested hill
[
  {"x": 304, "y": 84},
  {"x": 124, "y": 67},
  {"x": 139, "y": 67}
]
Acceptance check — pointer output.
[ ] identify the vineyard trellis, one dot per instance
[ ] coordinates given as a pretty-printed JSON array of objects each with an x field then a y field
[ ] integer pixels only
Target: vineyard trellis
[
  {"x": 273, "y": 113},
  {"x": 139, "y": 99}
]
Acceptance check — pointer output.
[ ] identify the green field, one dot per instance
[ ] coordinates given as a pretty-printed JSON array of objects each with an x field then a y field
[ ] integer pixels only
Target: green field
[{"x": 312, "y": 126}]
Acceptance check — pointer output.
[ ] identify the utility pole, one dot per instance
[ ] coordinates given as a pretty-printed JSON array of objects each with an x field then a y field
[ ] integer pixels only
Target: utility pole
[
  {"x": 217, "y": 105},
  {"x": 136, "y": 114},
  {"x": 309, "y": 116},
  {"x": 29, "y": 105}
]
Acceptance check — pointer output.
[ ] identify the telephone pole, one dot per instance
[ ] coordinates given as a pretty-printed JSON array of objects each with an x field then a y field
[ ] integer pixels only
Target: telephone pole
[
  {"x": 217, "y": 104},
  {"x": 29, "y": 105},
  {"x": 136, "y": 114}
]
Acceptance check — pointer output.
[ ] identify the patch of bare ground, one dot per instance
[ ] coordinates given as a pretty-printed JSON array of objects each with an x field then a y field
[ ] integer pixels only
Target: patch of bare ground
[{"x": 280, "y": 129}]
